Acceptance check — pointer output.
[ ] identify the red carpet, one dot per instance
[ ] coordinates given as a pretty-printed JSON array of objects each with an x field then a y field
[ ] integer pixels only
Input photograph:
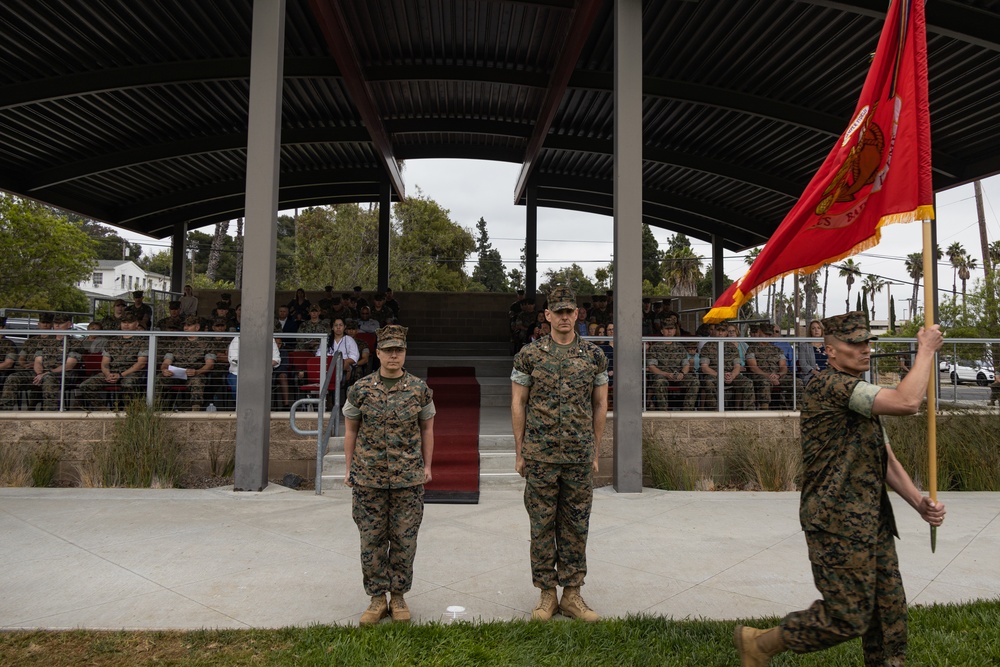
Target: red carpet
[{"x": 456, "y": 436}]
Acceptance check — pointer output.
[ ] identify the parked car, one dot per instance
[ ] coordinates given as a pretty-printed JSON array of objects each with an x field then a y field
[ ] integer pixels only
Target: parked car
[{"x": 977, "y": 372}]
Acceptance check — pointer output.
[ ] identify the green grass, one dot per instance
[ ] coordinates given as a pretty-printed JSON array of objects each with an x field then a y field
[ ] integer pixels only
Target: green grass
[{"x": 940, "y": 635}]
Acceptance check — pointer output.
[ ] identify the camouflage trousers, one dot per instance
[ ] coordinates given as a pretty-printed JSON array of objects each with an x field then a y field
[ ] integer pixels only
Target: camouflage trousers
[
  {"x": 741, "y": 388},
  {"x": 195, "y": 385},
  {"x": 661, "y": 390},
  {"x": 92, "y": 390},
  {"x": 16, "y": 382},
  {"x": 388, "y": 521},
  {"x": 862, "y": 597},
  {"x": 770, "y": 395},
  {"x": 558, "y": 497}
]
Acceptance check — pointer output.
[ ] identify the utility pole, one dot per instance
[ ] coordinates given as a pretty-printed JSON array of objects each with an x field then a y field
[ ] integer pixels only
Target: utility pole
[{"x": 987, "y": 264}]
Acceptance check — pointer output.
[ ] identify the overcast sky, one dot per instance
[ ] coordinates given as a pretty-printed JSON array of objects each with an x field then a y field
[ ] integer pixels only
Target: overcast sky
[{"x": 471, "y": 189}]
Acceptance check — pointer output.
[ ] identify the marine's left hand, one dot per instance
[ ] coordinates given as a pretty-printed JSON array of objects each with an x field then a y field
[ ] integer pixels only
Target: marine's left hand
[
  {"x": 930, "y": 511},
  {"x": 427, "y": 474}
]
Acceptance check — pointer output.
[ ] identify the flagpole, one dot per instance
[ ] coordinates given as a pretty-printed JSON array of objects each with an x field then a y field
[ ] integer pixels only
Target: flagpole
[{"x": 930, "y": 316}]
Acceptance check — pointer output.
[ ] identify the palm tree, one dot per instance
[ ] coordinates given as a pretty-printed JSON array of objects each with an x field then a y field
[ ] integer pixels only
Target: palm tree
[
  {"x": 749, "y": 259},
  {"x": 994, "y": 250},
  {"x": 826, "y": 282},
  {"x": 965, "y": 268},
  {"x": 955, "y": 253},
  {"x": 915, "y": 269},
  {"x": 682, "y": 270},
  {"x": 849, "y": 269},
  {"x": 873, "y": 285}
]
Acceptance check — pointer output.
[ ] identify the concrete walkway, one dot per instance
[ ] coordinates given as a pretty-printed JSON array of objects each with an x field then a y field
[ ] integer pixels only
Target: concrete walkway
[{"x": 187, "y": 559}]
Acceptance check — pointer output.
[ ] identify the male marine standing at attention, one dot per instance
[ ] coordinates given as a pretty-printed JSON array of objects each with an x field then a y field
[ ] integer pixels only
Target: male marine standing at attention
[
  {"x": 388, "y": 448},
  {"x": 844, "y": 507},
  {"x": 558, "y": 409}
]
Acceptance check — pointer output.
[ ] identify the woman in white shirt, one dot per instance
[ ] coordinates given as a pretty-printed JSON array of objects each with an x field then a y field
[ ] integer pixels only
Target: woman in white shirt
[
  {"x": 234, "y": 360},
  {"x": 347, "y": 346}
]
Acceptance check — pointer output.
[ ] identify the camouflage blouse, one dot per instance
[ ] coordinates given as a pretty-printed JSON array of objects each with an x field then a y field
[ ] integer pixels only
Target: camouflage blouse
[
  {"x": 388, "y": 453},
  {"x": 559, "y": 423},
  {"x": 844, "y": 459}
]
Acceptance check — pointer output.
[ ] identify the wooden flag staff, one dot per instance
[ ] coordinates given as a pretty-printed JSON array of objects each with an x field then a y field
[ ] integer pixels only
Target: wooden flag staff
[{"x": 930, "y": 317}]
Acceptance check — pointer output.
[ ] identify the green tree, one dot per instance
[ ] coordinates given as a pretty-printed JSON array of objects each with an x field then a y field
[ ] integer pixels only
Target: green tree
[
  {"x": 516, "y": 277},
  {"x": 849, "y": 270},
  {"x": 705, "y": 287},
  {"x": 571, "y": 275},
  {"x": 915, "y": 269},
  {"x": 199, "y": 244},
  {"x": 430, "y": 252},
  {"x": 108, "y": 244},
  {"x": 681, "y": 267},
  {"x": 336, "y": 245},
  {"x": 955, "y": 253},
  {"x": 161, "y": 262},
  {"x": 966, "y": 266},
  {"x": 651, "y": 257},
  {"x": 603, "y": 277},
  {"x": 873, "y": 285},
  {"x": 44, "y": 256},
  {"x": 285, "y": 276},
  {"x": 489, "y": 271}
]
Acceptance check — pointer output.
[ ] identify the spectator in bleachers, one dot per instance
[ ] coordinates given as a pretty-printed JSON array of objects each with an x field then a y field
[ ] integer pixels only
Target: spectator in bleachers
[
  {"x": 768, "y": 369},
  {"x": 345, "y": 345},
  {"x": 189, "y": 302},
  {"x": 285, "y": 323},
  {"x": 380, "y": 311},
  {"x": 299, "y": 306},
  {"x": 142, "y": 311},
  {"x": 188, "y": 361},
  {"x": 47, "y": 374},
  {"x": 350, "y": 306},
  {"x": 217, "y": 384},
  {"x": 524, "y": 323},
  {"x": 812, "y": 354},
  {"x": 360, "y": 300},
  {"x": 704, "y": 331},
  {"x": 123, "y": 365},
  {"x": 600, "y": 312},
  {"x": 227, "y": 298},
  {"x": 608, "y": 347},
  {"x": 647, "y": 316},
  {"x": 363, "y": 367},
  {"x": 326, "y": 302},
  {"x": 233, "y": 354},
  {"x": 337, "y": 309},
  {"x": 313, "y": 325},
  {"x": 26, "y": 358},
  {"x": 173, "y": 321},
  {"x": 8, "y": 352},
  {"x": 237, "y": 322},
  {"x": 592, "y": 329},
  {"x": 366, "y": 324},
  {"x": 515, "y": 308},
  {"x": 581, "y": 321},
  {"x": 222, "y": 311},
  {"x": 391, "y": 303},
  {"x": 670, "y": 365},
  {"x": 732, "y": 372},
  {"x": 113, "y": 322},
  {"x": 94, "y": 344},
  {"x": 281, "y": 374}
]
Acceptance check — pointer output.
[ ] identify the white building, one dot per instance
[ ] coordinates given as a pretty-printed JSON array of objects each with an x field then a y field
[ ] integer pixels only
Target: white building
[{"x": 119, "y": 277}]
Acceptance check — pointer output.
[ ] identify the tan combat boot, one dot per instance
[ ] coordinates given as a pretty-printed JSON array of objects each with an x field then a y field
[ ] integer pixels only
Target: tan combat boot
[
  {"x": 376, "y": 611},
  {"x": 397, "y": 607},
  {"x": 573, "y": 606},
  {"x": 546, "y": 606},
  {"x": 757, "y": 647}
]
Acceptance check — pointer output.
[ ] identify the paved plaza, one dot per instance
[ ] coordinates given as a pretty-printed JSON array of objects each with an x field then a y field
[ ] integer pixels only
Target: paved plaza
[{"x": 188, "y": 559}]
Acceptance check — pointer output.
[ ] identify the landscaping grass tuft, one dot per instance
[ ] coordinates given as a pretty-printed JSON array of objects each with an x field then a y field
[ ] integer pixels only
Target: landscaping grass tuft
[{"x": 953, "y": 635}]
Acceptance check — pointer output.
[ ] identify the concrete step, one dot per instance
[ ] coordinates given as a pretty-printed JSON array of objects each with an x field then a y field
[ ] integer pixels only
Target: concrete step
[
  {"x": 485, "y": 366},
  {"x": 494, "y": 391}
]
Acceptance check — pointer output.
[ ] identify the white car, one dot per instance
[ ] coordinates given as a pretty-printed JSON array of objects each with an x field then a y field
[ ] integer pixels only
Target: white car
[{"x": 979, "y": 373}]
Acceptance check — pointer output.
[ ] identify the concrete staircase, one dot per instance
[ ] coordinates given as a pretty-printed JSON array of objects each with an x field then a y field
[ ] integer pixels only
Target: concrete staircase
[{"x": 492, "y": 362}]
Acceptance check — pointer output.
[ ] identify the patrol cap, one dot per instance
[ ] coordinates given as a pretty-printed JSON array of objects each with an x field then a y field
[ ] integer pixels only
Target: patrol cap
[
  {"x": 219, "y": 322},
  {"x": 46, "y": 318},
  {"x": 192, "y": 319},
  {"x": 356, "y": 288},
  {"x": 562, "y": 298},
  {"x": 380, "y": 296},
  {"x": 119, "y": 302},
  {"x": 767, "y": 328},
  {"x": 129, "y": 317},
  {"x": 61, "y": 318},
  {"x": 138, "y": 294},
  {"x": 174, "y": 305},
  {"x": 350, "y": 323},
  {"x": 849, "y": 327},
  {"x": 393, "y": 335},
  {"x": 646, "y": 299},
  {"x": 226, "y": 296},
  {"x": 221, "y": 304}
]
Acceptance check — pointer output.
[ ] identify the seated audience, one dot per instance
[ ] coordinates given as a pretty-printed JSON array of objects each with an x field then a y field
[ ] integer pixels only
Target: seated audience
[
  {"x": 299, "y": 306},
  {"x": 191, "y": 357},
  {"x": 732, "y": 372},
  {"x": 768, "y": 370},
  {"x": 812, "y": 354},
  {"x": 285, "y": 323},
  {"x": 391, "y": 303},
  {"x": 670, "y": 365},
  {"x": 189, "y": 302},
  {"x": 313, "y": 325},
  {"x": 123, "y": 365},
  {"x": 233, "y": 354},
  {"x": 366, "y": 324},
  {"x": 174, "y": 321}
]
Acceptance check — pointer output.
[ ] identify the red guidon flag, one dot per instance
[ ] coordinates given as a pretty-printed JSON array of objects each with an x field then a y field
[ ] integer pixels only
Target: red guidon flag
[{"x": 878, "y": 173}]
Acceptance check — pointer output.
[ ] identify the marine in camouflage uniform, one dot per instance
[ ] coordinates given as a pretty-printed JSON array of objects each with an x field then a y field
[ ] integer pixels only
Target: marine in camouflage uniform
[
  {"x": 669, "y": 365},
  {"x": 319, "y": 326},
  {"x": 192, "y": 354},
  {"x": 123, "y": 365},
  {"x": 559, "y": 390},
  {"x": 845, "y": 509},
  {"x": 113, "y": 322},
  {"x": 740, "y": 383},
  {"x": 174, "y": 321},
  {"x": 46, "y": 368},
  {"x": 768, "y": 370},
  {"x": 388, "y": 448}
]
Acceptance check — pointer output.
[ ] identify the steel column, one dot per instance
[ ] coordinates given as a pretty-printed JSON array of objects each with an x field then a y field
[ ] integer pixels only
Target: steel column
[
  {"x": 384, "y": 227},
  {"x": 253, "y": 404},
  {"x": 178, "y": 249},
  {"x": 628, "y": 400},
  {"x": 531, "y": 241},
  {"x": 718, "y": 270}
]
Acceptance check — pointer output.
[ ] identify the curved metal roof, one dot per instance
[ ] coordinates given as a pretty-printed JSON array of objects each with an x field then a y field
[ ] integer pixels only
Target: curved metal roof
[{"x": 135, "y": 113}]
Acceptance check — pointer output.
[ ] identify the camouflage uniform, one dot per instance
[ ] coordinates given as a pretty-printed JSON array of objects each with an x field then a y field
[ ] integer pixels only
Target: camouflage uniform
[
  {"x": 387, "y": 472},
  {"x": 186, "y": 353},
  {"x": 768, "y": 359},
  {"x": 312, "y": 344},
  {"x": 111, "y": 323},
  {"x": 51, "y": 353},
  {"x": 741, "y": 384},
  {"x": 50, "y": 350},
  {"x": 670, "y": 357},
  {"x": 170, "y": 323},
  {"x": 123, "y": 352},
  {"x": 849, "y": 525},
  {"x": 603, "y": 316},
  {"x": 558, "y": 449},
  {"x": 8, "y": 352},
  {"x": 382, "y": 315}
]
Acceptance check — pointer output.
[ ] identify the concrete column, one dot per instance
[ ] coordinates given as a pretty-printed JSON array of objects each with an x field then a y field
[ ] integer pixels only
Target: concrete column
[
  {"x": 718, "y": 269},
  {"x": 384, "y": 211},
  {"x": 253, "y": 405},
  {"x": 178, "y": 249},
  {"x": 628, "y": 246},
  {"x": 531, "y": 241}
]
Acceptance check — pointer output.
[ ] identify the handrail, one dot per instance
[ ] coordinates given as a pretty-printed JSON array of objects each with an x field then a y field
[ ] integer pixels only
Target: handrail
[{"x": 322, "y": 434}]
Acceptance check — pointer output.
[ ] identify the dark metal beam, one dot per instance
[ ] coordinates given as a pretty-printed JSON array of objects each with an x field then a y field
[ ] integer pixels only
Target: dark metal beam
[
  {"x": 456, "y": 72},
  {"x": 576, "y": 36},
  {"x": 502, "y": 128},
  {"x": 170, "y": 150},
  {"x": 155, "y": 74},
  {"x": 333, "y": 24},
  {"x": 470, "y": 152}
]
